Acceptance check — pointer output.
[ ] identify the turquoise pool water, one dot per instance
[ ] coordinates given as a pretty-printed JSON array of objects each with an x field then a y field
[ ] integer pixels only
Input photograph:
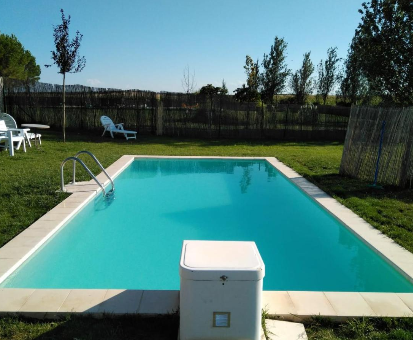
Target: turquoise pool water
[{"x": 134, "y": 241}]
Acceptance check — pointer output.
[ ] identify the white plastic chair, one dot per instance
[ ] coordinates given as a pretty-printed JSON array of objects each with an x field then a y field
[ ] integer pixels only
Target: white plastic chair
[
  {"x": 11, "y": 124},
  {"x": 9, "y": 136},
  {"x": 116, "y": 128}
]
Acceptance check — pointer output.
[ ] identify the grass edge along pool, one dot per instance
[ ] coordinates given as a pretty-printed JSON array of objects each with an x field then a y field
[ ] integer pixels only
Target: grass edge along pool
[{"x": 221, "y": 199}]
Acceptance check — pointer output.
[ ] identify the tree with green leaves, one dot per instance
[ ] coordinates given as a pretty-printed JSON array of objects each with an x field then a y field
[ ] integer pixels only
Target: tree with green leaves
[
  {"x": 301, "y": 83},
  {"x": 16, "y": 62},
  {"x": 249, "y": 93},
  {"x": 210, "y": 92},
  {"x": 223, "y": 90},
  {"x": 353, "y": 85},
  {"x": 275, "y": 71},
  {"x": 328, "y": 74},
  {"x": 253, "y": 73},
  {"x": 383, "y": 43},
  {"x": 66, "y": 56}
]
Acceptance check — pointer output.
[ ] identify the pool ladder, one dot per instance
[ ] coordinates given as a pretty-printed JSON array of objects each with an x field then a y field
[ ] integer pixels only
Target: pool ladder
[{"x": 75, "y": 159}]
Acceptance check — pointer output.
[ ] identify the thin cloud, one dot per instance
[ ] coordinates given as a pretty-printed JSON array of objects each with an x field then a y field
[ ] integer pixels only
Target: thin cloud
[{"x": 94, "y": 82}]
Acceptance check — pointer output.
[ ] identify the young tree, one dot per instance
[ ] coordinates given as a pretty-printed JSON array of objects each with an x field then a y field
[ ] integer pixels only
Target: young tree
[
  {"x": 188, "y": 81},
  {"x": 66, "y": 56},
  {"x": 327, "y": 74},
  {"x": 15, "y": 61},
  {"x": 275, "y": 71},
  {"x": 383, "y": 43},
  {"x": 300, "y": 82},
  {"x": 210, "y": 91},
  {"x": 253, "y": 73},
  {"x": 353, "y": 85},
  {"x": 223, "y": 89},
  {"x": 249, "y": 93}
]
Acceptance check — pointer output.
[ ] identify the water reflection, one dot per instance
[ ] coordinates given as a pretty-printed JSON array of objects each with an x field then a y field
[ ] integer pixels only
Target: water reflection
[
  {"x": 104, "y": 202},
  {"x": 150, "y": 168},
  {"x": 245, "y": 180}
]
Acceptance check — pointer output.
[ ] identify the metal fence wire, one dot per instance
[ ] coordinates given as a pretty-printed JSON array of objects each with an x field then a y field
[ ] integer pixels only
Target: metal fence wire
[{"x": 173, "y": 114}]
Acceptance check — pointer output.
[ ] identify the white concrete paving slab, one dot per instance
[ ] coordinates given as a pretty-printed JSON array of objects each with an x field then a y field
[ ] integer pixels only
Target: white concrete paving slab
[
  {"x": 13, "y": 252},
  {"x": 120, "y": 301},
  {"x": 311, "y": 303},
  {"x": 159, "y": 302},
  {"x": 349, "y": 304},
  {"x": 43, "y": 224},
  {"x": 278, "y": 303},
  {"x": 407, "y": 298},
  {"x": 6, "y": 264},
  {"x": 387, "y": 304},
  {"x": 37, "y": 233},
  {"x": 45, "y": 300},
  {"x": 283, "y": 330},
  {"x": 25, "y": 241},
  {"x": 13, "y": 299},
  {"x": 82, "y": 300}
]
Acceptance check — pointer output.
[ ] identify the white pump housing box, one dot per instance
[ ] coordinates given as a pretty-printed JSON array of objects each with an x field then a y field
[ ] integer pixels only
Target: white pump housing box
[{"x": 221, "y": 289}]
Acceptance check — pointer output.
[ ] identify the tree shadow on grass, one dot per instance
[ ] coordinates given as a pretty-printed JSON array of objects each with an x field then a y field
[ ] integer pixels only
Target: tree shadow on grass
[
  {"x": 96, "y": 137},
  {"x": 124, "y": 327},
  {"x": 346, "y": 187}
]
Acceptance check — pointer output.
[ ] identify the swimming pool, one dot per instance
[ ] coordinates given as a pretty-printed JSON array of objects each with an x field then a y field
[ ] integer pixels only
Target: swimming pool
[{"x": 134, "y": 241}]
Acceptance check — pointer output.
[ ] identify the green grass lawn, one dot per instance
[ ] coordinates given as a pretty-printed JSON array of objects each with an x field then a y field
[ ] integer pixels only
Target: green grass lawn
[
  {"x": 29, "y": 188},
  {"x": 361, "y": 329}
]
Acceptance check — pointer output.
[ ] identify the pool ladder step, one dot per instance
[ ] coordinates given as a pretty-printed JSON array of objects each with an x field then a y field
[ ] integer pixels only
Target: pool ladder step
[{"x": 75, "y": 160}]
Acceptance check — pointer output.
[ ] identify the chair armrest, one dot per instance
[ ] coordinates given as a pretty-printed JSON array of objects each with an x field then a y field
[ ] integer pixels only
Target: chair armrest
[
  {"x": 21, "y": 132},
  {"x": 119, "y": 124}
]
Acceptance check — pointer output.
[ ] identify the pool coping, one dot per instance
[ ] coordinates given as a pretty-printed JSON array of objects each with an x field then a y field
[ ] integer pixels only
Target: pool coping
[{"x": 289, "y": 305}]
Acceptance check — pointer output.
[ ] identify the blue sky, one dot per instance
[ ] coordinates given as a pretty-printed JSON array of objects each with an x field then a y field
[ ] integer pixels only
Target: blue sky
[{"x": 147, "y": 44}]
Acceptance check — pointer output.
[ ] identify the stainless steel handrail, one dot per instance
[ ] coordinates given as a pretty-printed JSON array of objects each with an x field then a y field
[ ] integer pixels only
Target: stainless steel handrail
[
  {"x": 75, "y": 159},
  {"x": 97, "y": 162}
]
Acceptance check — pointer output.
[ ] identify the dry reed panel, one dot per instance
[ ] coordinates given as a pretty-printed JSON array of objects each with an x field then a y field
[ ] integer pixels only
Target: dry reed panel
[
  {"x": 172, "y": 114},
  {"x": 362, "y": 144},
  {"x": 42, "y": 103}
]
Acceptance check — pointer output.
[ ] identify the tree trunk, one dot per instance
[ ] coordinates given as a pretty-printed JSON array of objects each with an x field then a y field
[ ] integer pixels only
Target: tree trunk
[
  {"x": 210, "y": 118},
  {"x": 2, "y": 96},
  {"x": 262, "y": 119},
  {"x": 64, "y": 109}
]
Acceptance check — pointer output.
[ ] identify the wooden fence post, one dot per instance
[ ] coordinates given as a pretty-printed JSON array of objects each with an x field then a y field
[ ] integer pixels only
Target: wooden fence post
[
  {"x": 2, "y": 99},
  {"x": 159, "y": 115}
]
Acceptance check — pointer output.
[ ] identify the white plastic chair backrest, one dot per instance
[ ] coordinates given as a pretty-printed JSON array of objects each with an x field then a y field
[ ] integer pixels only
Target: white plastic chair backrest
[
  {"x": 106, "y": 121},
  {"x": 3, "y": 126},
  {"x": 3, "y": 129},
  {"x": 9, "y": 120}
]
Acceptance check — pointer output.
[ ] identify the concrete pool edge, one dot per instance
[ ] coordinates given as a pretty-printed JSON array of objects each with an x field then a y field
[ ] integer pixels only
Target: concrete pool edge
[{"x": 290, "y": 305}]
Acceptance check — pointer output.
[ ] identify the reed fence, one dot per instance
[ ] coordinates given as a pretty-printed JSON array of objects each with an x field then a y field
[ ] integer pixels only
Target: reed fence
[
  {"x": 173, "y": 114},
  {"x": 379, "y": 146}
]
